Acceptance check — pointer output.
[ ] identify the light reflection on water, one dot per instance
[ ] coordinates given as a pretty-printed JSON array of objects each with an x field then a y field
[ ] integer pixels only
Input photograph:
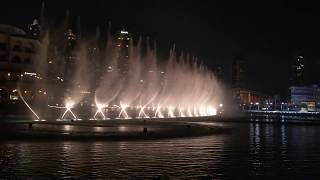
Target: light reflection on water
[{"x": 250, "y": 150}]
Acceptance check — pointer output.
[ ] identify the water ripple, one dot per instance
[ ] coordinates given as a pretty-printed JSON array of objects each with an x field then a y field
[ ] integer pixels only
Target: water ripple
[{"x": 254, "y": 151}]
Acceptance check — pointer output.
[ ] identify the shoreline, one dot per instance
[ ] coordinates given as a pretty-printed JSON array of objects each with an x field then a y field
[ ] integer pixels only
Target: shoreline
[
  {"x": 107, "y": 130},
  {"x": 131, "y": 129}
]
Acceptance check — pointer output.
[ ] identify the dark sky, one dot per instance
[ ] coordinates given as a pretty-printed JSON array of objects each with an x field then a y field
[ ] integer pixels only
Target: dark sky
[{"x": 267, "y": 34}]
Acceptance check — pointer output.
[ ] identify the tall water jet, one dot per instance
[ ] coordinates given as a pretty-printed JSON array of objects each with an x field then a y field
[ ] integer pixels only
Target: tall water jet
[{"x": 122, "y": 78}]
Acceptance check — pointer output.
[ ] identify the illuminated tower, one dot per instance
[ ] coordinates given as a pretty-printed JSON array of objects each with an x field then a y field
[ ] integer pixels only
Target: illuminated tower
[
  {"x": 70, "y": 56},
  {"x": 122, "y": 44},
  {"x": 34, "y": 29},
  {"x": 123, "y": 39},
  {"x": 297, "y": 70}
]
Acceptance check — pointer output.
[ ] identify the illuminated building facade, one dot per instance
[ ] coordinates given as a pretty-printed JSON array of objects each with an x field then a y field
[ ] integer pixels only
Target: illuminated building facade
[
  {"x": 247, "y": 97},
  {"x": 305, "y": 97},
  {"x": 18, "y": 60}
]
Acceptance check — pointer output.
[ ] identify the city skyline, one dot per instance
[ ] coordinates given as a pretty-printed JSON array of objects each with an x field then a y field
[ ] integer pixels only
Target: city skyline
[
  {"x": 269, "y": 36},
  {"x": 159, "y": 90}
]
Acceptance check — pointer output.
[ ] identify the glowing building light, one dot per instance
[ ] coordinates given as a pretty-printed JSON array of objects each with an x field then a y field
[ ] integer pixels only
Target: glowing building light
[{"x": 30, "y": 74}]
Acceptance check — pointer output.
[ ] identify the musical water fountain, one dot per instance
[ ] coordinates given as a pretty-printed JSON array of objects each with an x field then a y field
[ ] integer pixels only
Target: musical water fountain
[{"x": 119, "y": 79}]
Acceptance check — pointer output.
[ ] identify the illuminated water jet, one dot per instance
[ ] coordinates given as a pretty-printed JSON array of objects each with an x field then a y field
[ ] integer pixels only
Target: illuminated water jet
[
  {"x": 68, "y": 107},
  {"x": 29, "y": 107},
  {"x": 123, "y": 78},
  {"x": 99, "y": 111},
  {"x": 158, "y": 112},
  {"x": 123, "y": 111}
]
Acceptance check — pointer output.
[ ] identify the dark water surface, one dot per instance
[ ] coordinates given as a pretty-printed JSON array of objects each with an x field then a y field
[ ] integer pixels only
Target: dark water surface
[{"x": 251, "y": 150}]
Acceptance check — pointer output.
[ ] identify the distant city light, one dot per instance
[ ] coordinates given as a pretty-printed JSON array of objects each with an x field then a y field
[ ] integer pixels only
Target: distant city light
[{"x": 29, "y": 73}]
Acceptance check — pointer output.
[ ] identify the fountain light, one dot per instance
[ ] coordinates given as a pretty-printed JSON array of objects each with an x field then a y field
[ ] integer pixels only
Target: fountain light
[
  {"x": 123, "y": 112},
  {"x": 142, "y": 113},
  {"x": 141, "y": 87},
  {"x": 100, "y": 108},
  {"x": 69, "y": 106},
  {"x": 211, "y": 111},
  {"x": 170, "y": 111},
  {"x": 158, "y": 112},
  {"x": 29, "y": 107}
]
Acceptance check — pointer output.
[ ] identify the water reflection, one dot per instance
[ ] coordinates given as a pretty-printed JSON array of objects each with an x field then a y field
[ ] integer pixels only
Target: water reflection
[{"x": 251, "y": 150}]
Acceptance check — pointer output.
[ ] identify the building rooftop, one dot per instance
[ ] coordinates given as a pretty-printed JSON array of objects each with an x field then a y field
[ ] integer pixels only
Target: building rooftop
[{"x": 12, "y": 30}]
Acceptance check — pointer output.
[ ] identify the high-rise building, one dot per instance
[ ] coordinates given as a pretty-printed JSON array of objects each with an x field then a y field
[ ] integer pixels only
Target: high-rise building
[
  {"x": 34, "y": 29},
  {"x": 297, "y": 71},
  {"x": 18, "y": 61},
  {"x": 123, "y": 39},
  {"x": 238, "y": 72},
  {"x": 70, "y": 56}
]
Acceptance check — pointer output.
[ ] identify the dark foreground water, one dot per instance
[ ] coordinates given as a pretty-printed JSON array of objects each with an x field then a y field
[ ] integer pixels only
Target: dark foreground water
[{"x": 251, "y": 150}]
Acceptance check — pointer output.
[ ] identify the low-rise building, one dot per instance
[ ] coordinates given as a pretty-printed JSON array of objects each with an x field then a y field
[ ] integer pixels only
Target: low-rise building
[
  {"x": 306, "y": 98},
  {"x": 249, "y": 99},
  {"x": 19, "y": 56}
]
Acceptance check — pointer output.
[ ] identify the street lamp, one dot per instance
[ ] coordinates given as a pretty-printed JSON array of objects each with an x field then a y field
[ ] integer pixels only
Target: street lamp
[{"x": 257, "y": 105}]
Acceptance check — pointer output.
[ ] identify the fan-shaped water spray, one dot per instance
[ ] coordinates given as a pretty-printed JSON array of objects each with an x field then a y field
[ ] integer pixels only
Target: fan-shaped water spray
[{"x": 122, "y": 79}]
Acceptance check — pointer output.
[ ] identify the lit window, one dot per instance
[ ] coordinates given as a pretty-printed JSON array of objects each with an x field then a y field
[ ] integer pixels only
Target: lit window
[{"x": 13, "y": 97}]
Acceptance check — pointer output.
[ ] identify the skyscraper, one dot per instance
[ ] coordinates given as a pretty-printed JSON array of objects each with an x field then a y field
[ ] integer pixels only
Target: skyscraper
[
  {"x": 70, "y": 57},
  {"x": 297, "y": 71},
  {"x": 238, "y": 72},
  {"x": 123, "y": 39},
  {"x": 34, "y": 29}
]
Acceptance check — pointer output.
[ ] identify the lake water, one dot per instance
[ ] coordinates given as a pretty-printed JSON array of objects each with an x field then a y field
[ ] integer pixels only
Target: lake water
[{"x": 250, "y": 150}]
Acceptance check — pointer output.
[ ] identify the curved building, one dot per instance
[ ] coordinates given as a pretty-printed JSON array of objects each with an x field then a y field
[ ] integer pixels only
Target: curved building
[{"x": 18, "y": 59}]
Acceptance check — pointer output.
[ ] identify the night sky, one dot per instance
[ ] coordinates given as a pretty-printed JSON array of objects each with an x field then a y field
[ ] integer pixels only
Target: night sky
[{"x": 267, "y": 34}]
